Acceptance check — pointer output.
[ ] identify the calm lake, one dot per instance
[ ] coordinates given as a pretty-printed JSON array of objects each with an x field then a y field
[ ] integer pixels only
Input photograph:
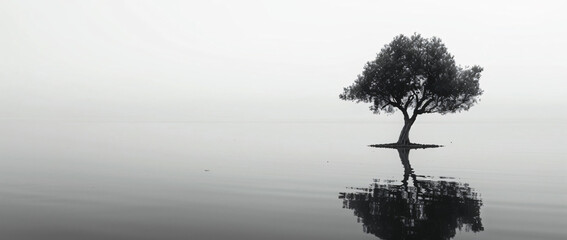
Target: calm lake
[{"x": 281, "y": 180}]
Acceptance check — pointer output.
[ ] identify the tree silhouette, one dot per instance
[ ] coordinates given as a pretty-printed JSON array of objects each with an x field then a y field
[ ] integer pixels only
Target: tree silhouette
[
  {"x": 425, "y": 210},
  {"x": 415, "y": 75}
]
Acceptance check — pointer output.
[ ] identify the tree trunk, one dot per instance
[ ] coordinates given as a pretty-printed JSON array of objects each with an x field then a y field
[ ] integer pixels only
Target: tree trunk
[{"x": 404, "y": 134}]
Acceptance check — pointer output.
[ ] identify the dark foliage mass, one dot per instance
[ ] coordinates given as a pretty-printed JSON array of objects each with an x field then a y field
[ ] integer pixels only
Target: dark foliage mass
[
  {"x": 426, "y": 209},
  {"x": 416, "y": 73},
  {"x": 436, "y": 211}
]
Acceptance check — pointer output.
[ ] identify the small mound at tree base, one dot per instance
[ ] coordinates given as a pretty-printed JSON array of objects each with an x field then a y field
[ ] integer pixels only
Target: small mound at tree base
[{"x": 405, "y": 146}]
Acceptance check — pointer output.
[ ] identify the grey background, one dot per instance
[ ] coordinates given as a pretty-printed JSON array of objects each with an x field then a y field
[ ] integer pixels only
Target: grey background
[{"x": 262, "y": 60}]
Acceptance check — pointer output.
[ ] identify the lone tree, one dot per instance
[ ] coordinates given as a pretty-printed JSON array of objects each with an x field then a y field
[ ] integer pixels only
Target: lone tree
[{"x": 415, "y": 75}]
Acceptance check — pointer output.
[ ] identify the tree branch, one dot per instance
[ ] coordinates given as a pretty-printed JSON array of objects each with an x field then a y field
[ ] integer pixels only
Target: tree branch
[
  {"x": 422, "y": 109},
  {"x": 431, "y": 110},
  {"x": 406, "y": 116},
  {"x": 410, "y": 98},
  {"x": 417, "y": 110},
  {"x": 416, "y": 96},
  {"x": 387, "y": 104}
]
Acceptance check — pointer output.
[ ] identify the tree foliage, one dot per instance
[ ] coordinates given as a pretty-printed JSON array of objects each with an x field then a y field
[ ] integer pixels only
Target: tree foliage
[{"x": 415, "y": 75}]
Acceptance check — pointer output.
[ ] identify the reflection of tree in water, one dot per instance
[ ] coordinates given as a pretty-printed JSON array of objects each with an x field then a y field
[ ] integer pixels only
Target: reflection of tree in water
[{"x": 427, "y": 209}]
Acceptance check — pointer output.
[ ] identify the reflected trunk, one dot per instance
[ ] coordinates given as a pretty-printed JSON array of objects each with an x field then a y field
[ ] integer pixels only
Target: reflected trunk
[
  {"x": 425, "y": 209},
  {"x": 408, "y": 170}
]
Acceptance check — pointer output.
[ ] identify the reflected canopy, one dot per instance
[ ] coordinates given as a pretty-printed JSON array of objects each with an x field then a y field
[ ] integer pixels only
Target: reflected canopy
[{"x": 425, "y": 209}]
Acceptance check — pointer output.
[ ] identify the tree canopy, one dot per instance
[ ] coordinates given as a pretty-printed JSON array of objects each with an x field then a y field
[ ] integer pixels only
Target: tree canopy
[{"x": 415, "y": 73}]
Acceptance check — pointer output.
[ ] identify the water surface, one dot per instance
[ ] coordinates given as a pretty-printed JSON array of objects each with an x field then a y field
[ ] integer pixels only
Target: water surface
[{"x": 279, "y": 180}]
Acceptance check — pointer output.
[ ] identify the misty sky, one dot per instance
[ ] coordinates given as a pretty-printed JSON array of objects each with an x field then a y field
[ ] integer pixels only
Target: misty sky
[{"x": 261, "y": 60}]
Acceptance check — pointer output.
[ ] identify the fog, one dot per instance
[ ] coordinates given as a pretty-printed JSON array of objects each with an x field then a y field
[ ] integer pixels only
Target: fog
[{"x": 259, "y": 60}]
